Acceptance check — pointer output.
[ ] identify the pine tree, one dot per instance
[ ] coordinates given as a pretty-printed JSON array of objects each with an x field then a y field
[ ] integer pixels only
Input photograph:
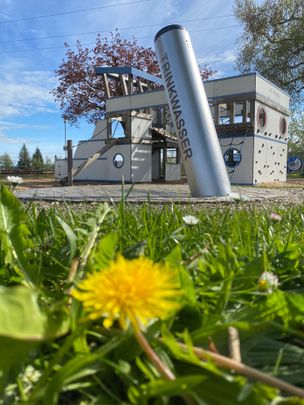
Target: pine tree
[
  {"x": 37, "y": 160},
  {"x": 6, "y": 161},
  {"x": 24, "y": 161}
]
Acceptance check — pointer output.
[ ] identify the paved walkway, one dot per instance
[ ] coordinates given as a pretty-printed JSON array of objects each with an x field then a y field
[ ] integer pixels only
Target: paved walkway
[{"x": 145, "y": 192}]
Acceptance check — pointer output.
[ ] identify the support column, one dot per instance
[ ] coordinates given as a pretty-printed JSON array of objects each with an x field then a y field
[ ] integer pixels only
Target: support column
[
  {"x": 245, "y": 112},
  {"x": 231, "y": 113},
  {"x": 70, "y": 162}
]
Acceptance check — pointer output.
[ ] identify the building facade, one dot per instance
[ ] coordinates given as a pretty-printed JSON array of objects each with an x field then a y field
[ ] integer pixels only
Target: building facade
[{"x": 137, "y": 141}]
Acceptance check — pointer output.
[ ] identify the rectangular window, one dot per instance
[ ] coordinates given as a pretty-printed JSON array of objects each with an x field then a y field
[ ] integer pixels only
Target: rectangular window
[
  {"x": 249, "y": 105},
  {"x": 224, "y": 114},
  {"x": 238, "y": 112},
  {"x": 117, "y": 129},
  {"x": 172, "y": 156}
]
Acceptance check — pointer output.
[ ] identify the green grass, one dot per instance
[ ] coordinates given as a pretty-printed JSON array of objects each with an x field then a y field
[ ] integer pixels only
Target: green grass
[{"x": 49, "y": 354}]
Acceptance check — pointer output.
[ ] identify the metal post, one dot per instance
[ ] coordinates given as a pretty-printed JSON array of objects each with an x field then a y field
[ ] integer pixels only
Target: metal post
[
  {"x": 65, "y": 140},
  {"x": 198, "y": 142},
  {"x": 70, "y": 162}
]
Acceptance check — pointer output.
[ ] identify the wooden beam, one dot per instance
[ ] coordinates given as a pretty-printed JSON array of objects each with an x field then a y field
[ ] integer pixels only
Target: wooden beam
[
  {"x": 123, "y": 85},
  {"x": 106, "y": 84},
  {"x": 130, "y": 84},
  {"x": 136, "y": 101}
]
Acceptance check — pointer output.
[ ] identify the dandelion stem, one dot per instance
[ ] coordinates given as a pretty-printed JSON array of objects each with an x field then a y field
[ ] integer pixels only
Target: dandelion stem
[
  {"x": 241, "y": 368},
  {"x": 72, "y": 274},
  {"x": 165, "y": 372},
  {"x": 71, "y": 277},
  {"x": 152, "y": 356}
]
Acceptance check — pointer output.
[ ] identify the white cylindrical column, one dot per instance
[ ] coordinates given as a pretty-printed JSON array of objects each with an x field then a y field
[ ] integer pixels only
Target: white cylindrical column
[{"x": 198, "y": 142}]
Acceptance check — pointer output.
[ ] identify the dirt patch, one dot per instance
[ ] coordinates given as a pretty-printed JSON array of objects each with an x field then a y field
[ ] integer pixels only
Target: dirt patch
[{"x": 38, "y": 183}]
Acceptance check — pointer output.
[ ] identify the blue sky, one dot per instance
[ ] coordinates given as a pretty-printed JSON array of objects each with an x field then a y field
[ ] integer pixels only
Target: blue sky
[{"x": 32, "y": 48}]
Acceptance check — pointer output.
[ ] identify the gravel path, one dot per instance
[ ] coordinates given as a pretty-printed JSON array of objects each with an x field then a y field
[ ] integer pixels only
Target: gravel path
[{"x": 162, "y": 193}]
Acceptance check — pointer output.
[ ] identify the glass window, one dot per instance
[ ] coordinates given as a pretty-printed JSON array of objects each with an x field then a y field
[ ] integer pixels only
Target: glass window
[
  {"x": 161, "y": 164},
  {"x": 172, "y": 156},
  {"x": 117, "y": 129},
  {"x": 261, "y": 117},
  {"x": 248, "y": 111},
  {"x": 118, "y": 160},
  {"x": 224, "y": 114},
  {"x": 232, "y": 157},
  {"x": 158, "y": 116},
  {"x": 294, "y": 163},
  {"x": 238, "y": 112},
  {"x": 283, "y": 125}
]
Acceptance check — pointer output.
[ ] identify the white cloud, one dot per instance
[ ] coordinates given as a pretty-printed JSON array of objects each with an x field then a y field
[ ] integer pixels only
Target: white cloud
[
  {"x": 225, "y": 57},
  {"x": 141, "y": 16},
  {"x": 9, "y": 140},
  {"x": 219, "y": 74},
  {"x": 169, "y": 8},
  {"x": 25, "y": 93},
  {"x": 17, "y": 125}
]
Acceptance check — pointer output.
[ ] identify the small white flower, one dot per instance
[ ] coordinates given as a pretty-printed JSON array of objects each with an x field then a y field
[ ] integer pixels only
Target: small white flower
[
  {"x": 31, "y": 375},
  {"x": 14, "y": 179},
  {"x": 11, "y": 390},
  {"x": 190, "y": 220},
  {"x": 268, "y": 282},
  {"x": 275, "y": 217}
]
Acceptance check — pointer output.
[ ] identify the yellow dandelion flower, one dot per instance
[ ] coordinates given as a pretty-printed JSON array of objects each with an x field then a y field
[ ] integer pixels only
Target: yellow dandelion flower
[{"x": 130, "y": 290}]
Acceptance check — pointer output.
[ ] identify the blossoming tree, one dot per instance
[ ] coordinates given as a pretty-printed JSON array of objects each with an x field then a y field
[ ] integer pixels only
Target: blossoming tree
[{"x": 80, "y": 92}]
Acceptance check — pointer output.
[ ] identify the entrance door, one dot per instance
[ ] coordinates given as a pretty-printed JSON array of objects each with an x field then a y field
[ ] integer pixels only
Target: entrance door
[{"x": 156, "y": 164}]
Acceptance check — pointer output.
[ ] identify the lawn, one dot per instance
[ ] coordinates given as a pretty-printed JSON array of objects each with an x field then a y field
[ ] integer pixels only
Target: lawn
[{"x": 208, "y": 306}]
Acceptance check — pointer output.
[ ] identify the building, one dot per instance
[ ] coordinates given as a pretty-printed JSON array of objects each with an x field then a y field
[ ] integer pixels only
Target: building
[{"x": 137, "y": 141}]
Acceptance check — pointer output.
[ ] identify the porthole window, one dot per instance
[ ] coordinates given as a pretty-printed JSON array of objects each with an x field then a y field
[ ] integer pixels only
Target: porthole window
[
  {"x": 232, "y": 157},
  {"x": 118, "y": 160},
  {"x": 283, "y": 125},
  {"x": 294, "y": 164},
  {"x": 261, "y": 117}
]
